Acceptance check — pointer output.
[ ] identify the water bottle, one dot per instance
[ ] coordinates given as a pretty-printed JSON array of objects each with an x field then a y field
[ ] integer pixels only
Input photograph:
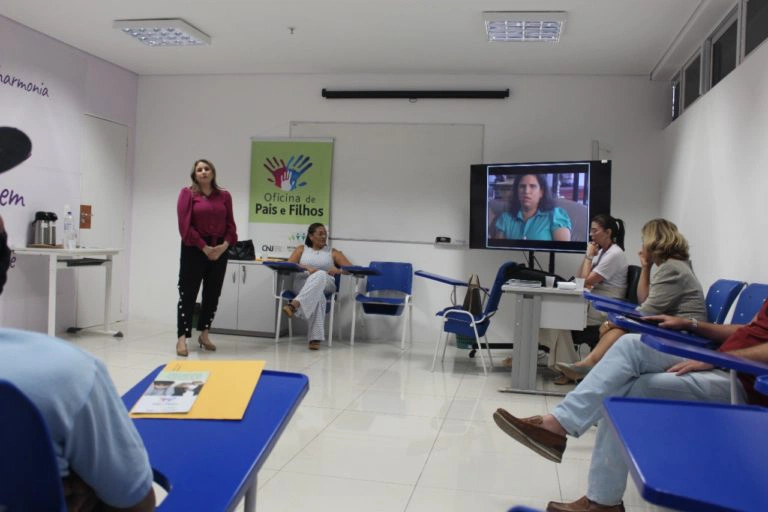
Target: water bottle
[{"x": 70, "y": 235}]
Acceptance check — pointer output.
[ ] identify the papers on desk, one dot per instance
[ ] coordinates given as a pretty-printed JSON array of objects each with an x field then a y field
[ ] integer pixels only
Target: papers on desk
[
  {"x": 225, "y": 395},
  {"x": 523, "y": 283},
  {"x": 171, "y": 392}
]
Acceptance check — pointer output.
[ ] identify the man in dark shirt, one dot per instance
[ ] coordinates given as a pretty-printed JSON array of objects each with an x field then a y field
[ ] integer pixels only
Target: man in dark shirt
[{"x": 631, "y": 368}]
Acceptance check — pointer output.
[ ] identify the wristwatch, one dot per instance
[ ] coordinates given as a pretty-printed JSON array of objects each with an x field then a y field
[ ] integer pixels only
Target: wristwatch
[
  {"x": 694, "y": 324},
  {"x": 587, "y": 256}
]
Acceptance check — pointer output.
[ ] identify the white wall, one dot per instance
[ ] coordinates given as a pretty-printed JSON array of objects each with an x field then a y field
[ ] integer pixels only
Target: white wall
[
  {"x": 77, "y": 84},
  {"x": 716, "y": 161},
  {"x": 181, "y": 118}
]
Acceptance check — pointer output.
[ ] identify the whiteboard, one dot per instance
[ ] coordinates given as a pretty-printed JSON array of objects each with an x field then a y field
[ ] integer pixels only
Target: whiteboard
[{"x": 399, "y": 182}]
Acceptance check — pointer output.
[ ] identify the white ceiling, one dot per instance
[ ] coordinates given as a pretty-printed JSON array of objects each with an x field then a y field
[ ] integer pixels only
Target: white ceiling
[{"x": 601, "y": 37}]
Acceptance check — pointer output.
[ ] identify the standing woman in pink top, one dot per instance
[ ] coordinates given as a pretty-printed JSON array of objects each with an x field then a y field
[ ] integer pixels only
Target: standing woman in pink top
[{"x": 207, "y": 229}]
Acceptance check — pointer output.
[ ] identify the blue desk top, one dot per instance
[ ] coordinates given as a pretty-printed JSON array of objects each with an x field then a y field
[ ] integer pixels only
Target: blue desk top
[
  {"x": 761, "y": 385},
  {"x": 615, "y": 308},
  {"x": 631, "y": 325},
  {"x": 694, "y": 456},
  {"x": 210, "y": 464},
  {"x": 707, "y": 355},
  {"x": 359, "y": 271},
  {"x": 439, "y": 278},
  {"x": 283, "y": 266},
  {"x": 602, "y": 299},
  {"x": 443, "y": 279}
]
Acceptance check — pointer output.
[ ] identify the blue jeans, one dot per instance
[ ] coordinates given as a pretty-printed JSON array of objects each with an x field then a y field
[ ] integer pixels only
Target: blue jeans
[{"x": 629, "y": 368}]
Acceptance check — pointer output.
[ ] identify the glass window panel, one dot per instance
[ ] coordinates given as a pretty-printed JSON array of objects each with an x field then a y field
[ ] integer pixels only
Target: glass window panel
[
  {"x": 757, "y": 24},
  {"x": 691, "y": 82},
  {"x": 724, "y": 54}
]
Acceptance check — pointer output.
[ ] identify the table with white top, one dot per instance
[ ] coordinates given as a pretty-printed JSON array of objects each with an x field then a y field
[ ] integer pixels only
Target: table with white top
[
  {"x": 67, "y": 258},
  {"x": 535, "y": 309}
]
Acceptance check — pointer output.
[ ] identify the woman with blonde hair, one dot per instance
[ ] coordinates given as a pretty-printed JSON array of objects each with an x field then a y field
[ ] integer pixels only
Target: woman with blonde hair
[
  {"x": 207, "y": 229},
  {"x": 672, "y": 289}
]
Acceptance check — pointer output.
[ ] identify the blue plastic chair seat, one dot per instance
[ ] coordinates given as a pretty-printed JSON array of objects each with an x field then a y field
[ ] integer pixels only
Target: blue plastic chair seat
[
  {"x": 29, "y": 471},
  {"x": 392, "y": 301},
  {"x": 465, "y": 328},
  {"x": 458, "y": 314},
  {"x": 455, "y": 320},
  {"x": 388, "y": 289},
  {"x": 392, "y": 306}
]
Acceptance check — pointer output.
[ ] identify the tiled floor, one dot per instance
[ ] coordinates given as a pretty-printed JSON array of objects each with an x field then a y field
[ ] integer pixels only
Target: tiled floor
[{"x": 378, "y": 431}]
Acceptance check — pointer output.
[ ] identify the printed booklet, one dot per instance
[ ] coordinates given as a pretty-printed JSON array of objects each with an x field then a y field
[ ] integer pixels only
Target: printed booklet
[{"x": 171, "y": 392}]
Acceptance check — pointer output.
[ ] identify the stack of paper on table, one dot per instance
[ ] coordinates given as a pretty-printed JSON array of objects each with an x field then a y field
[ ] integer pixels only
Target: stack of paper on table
[
  {"x": 224, "y": 395},
  {"x": 524, "y": 283}
]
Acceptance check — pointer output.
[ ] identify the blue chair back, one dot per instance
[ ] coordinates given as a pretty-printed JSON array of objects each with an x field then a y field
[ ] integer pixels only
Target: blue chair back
[
  {"x": 750, "y": 300},
  {"x": 394, "y": 276},
  {"x": 720, "y": 297},
  {"x": 495, "y": 294},
  {"x": 29, "y": 473}
]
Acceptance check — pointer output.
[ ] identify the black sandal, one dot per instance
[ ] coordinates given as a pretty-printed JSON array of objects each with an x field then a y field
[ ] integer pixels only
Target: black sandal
[{"x": 289, "y": 309}]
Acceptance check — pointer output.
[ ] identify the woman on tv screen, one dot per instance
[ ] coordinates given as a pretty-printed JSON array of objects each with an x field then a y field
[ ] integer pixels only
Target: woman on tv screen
[{"x": 532, "y": 214}]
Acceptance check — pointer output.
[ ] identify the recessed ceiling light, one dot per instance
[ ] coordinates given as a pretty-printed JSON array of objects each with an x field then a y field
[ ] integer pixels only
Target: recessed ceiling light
[
  {"x": 524, "y": 26},
  {"x": 162, "y": 32}
]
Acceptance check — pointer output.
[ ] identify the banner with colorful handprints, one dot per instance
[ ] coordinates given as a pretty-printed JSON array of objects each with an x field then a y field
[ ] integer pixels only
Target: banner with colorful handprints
[{"x": 290, "y": 189}]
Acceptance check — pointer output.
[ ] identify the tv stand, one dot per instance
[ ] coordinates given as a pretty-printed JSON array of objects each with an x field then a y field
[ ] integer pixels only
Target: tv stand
[{"x": 551, "y": 269}]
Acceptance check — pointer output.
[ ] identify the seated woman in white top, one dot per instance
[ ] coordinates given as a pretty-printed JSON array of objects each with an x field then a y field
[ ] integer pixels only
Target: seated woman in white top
[
  {"x": 604, "y": 270},
  {"x": 321, "y": 264}
]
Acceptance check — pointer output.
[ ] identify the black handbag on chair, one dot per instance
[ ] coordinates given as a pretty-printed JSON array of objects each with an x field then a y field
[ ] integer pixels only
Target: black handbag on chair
[{"x": 242, "y": 250}]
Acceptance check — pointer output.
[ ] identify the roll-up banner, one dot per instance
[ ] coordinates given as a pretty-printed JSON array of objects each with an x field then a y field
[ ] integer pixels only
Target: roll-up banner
[{"x": 290, "y": 189}]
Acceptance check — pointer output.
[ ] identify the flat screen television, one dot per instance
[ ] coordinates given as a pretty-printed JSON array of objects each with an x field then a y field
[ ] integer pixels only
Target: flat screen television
[{"x": 537, "y": 206}]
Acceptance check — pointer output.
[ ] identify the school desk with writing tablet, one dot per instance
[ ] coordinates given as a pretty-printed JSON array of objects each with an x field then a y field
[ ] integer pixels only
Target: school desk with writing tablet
[{"x": 213, "y": 464}]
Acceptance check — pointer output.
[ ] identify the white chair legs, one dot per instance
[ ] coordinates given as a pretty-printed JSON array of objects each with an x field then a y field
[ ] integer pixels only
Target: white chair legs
[{"x": 477, "y": 340}]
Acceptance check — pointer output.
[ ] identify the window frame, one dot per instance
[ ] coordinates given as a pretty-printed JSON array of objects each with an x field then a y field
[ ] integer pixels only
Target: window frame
[
  {"x": 698, "y": 54},
  {"x": 743, "y": 20},
  {"x": 734, "y": 16}
]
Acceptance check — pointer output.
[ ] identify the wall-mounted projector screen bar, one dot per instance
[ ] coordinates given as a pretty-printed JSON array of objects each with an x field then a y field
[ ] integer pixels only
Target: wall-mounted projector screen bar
[{"x": 483, "y": 95}]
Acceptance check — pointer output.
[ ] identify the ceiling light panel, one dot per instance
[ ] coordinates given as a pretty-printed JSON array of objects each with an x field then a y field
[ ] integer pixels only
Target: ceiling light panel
[
  {"x": 524, "y": 26},
  {"x": 162, "y": 32}
]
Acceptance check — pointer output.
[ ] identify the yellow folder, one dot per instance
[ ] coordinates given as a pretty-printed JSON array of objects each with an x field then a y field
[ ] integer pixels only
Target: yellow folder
[{"x": 225, "y": 394}]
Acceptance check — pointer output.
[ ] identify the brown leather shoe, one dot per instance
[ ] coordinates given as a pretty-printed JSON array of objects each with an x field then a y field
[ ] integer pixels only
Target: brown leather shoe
[
  {"x": 533, "y": 420},
  {"x": 547, "y": 444},
  {"x": 583, "y": 504}
]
